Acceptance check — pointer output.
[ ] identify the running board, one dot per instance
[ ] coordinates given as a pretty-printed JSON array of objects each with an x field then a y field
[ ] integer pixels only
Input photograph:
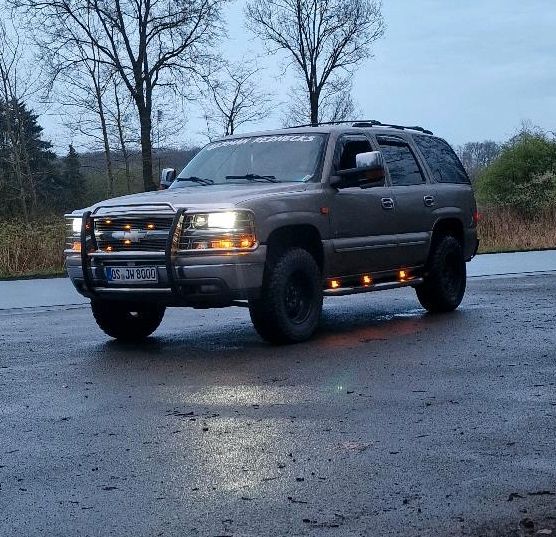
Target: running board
[{"x": 343, "y": 291}]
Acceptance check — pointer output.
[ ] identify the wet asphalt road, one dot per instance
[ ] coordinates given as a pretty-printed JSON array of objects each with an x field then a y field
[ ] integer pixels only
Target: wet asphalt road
[{"x": 390, "y": 422}]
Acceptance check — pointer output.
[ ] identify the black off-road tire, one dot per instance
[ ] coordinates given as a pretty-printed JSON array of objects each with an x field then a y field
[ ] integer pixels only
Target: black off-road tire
[
  {"x": 445, "y": 276},
  {"x": 290, "y": 305},
  {"x": 127, "y": 321}
]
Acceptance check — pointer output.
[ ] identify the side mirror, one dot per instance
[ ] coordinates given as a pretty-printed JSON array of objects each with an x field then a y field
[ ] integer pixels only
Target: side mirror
[
  {"x": 370, "y": 171},
  {"x": 167, "y": 177}
]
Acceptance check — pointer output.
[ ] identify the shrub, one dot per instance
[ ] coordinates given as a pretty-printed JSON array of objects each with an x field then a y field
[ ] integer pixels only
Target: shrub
[{"x": 523, "y": 177}]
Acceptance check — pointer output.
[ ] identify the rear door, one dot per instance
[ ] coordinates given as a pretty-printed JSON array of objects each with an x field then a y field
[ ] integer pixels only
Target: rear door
[
  {"x": 453, "y": 191},
  {"x": 362, "y": 219},
  {"x": 413, "y": 198}
]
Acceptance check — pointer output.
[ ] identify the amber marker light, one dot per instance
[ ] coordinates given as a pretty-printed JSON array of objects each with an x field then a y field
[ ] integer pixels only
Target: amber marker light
[
  {"x": 150, "y": 226},
  {"x": 367, "y": 280},
  {"x": 403, "y": 275},
  {"x": 109, "y": 248},
  {"x": 76, "y": 247},
  {"x": 127, "y": 242},
  {"x": 108, "y": 221},
  {"x": 222, "y": 244},
  {"x": 127, "y": 226},
  {"x": 246, "y": 242},
  {"x": 335, "y": 284}
]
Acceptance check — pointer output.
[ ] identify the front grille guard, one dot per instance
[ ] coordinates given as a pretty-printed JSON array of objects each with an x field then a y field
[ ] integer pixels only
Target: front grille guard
[{"x": 88, "y": 240}]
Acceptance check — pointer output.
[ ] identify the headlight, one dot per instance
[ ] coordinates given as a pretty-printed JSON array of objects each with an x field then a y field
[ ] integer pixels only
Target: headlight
[
  {"x": 230, "y": 231},
  {"x": 73, "y": 235}
]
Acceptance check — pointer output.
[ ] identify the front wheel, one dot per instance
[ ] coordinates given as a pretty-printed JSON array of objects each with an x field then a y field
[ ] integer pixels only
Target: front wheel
[
  {"x": 445, "y": 277},
  {"x": 290, "y": 305},
  {"x": 127, "y": 321}
]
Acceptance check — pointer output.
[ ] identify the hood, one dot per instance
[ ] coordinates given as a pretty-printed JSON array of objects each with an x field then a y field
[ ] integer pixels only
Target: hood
[{"x": 213, "y": 196}]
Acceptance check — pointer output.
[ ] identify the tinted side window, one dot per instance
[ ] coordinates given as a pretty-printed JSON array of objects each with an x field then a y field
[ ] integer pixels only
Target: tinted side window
[
  {"x": 350, "y": 148},
  {"x": 402, "y": 165},
  {"x": 443, "y": 162}
]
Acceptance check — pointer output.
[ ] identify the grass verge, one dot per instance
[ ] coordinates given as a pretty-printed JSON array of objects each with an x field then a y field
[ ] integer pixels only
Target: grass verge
[
  {"x": 35, "y": 250},
  {"x": 504, "y": 230}
]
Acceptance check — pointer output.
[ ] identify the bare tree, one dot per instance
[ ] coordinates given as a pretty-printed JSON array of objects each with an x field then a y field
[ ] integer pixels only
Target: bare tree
[
  {"x": 235, "y": 98},
  {"x": 475, "y": 156},
  {"x": 81, "y": 84},
  {"x": 148, "y": 43},
  {"x": 123, "y": 127},
  {"x": 336, "y": 104},
  {"x": 324, "y": 39}
]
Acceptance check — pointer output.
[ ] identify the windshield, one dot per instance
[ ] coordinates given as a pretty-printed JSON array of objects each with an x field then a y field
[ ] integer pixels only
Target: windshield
[{"x": 272, "y": 159}]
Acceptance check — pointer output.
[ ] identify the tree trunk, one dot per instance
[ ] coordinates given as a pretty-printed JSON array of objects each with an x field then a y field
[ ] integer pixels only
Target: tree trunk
[
  {"x": 127, "y": 171},
  {"x": 146, "y": 147},
  {"x": 107, "y": 153},
  {"x": 121, "y": 135},
  {"x": 314, "y": 103},
  {"x": 105, "y": 141}
]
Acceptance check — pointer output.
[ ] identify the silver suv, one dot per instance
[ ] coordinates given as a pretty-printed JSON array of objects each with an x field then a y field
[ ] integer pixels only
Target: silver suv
[{"x": 275, "y": 221}]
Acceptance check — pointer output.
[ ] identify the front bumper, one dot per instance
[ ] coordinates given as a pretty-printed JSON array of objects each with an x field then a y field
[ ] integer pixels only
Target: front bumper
[
  {"x": 195, "y": 281},
  {"x": 184, "y": 279}
]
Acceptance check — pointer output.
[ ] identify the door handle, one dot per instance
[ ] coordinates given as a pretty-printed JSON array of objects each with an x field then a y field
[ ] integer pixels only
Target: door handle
[
  {"x": 387, "y": 203},
  {"x": 429, "y": 201}
]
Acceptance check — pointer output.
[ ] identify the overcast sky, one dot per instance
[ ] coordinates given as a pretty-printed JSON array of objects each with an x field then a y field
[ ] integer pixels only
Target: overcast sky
[{"x": 468, "y": 70}]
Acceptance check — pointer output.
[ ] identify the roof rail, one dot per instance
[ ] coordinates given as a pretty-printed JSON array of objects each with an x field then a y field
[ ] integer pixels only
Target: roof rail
[{"x": 365, "y": 123}]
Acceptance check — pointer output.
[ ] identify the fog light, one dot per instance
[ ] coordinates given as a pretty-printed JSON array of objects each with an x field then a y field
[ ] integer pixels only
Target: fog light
[
  {"x": 403, "y": 275},
  {"x": 335, "y": 284},
  {"x": 367, "y": 280}
]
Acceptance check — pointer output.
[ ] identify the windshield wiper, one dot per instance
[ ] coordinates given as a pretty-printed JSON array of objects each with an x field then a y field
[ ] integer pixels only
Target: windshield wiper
[
  {"x": 194, "y": 179},
  {"x": 254, "y": 177}
]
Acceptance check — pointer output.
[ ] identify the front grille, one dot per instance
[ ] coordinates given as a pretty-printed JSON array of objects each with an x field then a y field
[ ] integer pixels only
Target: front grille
[{"x": 132, "y": 233}]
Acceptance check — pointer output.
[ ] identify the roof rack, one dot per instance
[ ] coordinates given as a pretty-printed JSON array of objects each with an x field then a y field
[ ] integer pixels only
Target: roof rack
[{"x": 365, "y": 123}]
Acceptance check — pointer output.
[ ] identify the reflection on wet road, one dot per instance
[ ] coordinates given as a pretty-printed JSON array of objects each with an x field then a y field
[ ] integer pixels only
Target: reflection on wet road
[{"x": 390, "y": 421}]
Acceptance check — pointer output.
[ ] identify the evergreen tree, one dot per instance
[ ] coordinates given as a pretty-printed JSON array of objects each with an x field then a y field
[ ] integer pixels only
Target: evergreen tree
[
  {"x": 28, "y": 175},
  {"x": 72, "y": 179}
]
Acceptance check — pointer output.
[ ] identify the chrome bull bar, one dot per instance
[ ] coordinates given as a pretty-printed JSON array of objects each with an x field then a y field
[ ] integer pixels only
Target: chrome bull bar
[{"x": 172, "y": 245}]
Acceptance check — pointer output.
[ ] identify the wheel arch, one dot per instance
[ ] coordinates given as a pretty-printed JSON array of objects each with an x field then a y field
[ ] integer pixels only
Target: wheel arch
[
  {"x": 306, "y": 236},
  {"x": 448, "y": 226}
]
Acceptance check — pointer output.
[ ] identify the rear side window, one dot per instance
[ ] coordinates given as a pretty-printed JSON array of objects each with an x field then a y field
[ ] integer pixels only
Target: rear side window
[
  {"x": 401, "y": 162},
  {"x": 443, "y": 162}
]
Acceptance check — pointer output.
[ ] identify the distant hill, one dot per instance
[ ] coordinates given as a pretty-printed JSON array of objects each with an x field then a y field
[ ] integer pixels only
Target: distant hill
[
  {"x": 168, "y": 158},
  {"x": 93, "y": 168}
]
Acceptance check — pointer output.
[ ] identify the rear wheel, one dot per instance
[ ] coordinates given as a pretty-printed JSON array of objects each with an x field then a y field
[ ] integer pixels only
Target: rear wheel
[
  {"x": 290, "y": 305},
  {"x": 445, "y": 277},
  {"x": 127, "y": 321}
]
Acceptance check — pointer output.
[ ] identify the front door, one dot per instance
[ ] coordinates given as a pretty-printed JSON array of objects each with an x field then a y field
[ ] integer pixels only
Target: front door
[{"x": 362, "y": 219}]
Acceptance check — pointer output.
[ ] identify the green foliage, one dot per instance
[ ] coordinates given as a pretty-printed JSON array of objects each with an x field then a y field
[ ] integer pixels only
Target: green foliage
[
  {"x": 71, "y": 181},
  {"x": 523, "y": 176},
  {"x": 28, "y": 172}
]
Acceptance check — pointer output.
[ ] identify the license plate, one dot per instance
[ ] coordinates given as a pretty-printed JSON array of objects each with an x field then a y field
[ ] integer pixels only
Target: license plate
[{"x": 131, "y": 274}]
